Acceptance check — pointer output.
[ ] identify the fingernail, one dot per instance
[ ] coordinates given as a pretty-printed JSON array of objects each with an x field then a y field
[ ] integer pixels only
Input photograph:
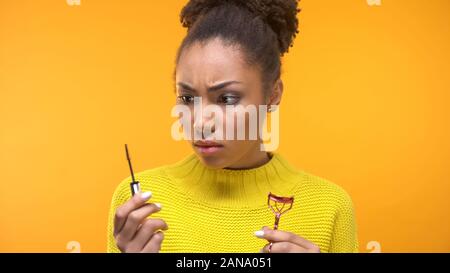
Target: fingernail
[
  {"x": 259, "y": 233},
  {"x": 146, "y": 195},
  {"x": 158, "y": 205}
]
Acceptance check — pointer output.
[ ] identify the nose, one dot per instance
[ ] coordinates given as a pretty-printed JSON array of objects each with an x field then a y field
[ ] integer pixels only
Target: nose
[{"x": 204, "y": 125}]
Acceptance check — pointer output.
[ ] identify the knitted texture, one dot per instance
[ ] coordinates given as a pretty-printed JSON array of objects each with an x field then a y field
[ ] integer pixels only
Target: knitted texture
[{"x": 218, "y": 210}]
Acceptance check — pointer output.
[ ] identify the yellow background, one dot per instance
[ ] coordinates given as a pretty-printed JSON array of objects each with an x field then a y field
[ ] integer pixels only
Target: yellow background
[{"x": 365, "y": 106}]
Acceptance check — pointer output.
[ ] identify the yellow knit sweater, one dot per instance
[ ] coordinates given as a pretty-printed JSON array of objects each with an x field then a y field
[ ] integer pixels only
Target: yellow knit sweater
[{"x": 218, "y": 210}]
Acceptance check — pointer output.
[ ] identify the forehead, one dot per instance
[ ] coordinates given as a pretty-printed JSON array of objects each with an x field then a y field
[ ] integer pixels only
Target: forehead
[{"x": 213, "y": 61}]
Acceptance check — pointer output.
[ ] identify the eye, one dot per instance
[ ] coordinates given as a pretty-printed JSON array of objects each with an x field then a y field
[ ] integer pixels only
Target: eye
[
  {"x": 229, "y": 99},
  {"x": 185, "y": 99}
]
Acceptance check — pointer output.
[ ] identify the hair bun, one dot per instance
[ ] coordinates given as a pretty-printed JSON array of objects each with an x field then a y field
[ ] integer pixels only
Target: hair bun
[{"x": 280, "y": 15}]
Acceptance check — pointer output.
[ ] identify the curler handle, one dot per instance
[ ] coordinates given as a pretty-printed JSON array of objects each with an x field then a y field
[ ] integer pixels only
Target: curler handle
[{"x": 277, "y": 220}]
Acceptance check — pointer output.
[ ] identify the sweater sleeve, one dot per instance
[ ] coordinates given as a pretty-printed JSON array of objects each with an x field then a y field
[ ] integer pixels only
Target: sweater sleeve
[
  {"x": 120, "y": 196},
  {"x": 344, "y": 238}
]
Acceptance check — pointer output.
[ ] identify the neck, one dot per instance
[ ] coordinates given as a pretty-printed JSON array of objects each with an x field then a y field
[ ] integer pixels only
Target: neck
[{"x": 251, "y": 160}]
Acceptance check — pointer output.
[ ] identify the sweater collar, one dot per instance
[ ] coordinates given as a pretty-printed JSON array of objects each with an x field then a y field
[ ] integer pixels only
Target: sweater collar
[{"x": 235, "y": 188}]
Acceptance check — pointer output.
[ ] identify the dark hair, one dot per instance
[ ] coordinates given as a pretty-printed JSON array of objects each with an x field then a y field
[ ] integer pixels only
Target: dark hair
[{"x": 263, "y": 29}]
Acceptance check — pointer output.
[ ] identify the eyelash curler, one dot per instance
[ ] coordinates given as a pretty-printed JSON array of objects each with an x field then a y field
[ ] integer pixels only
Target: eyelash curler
[
  {"x": 134, "y": 184},
  {"x": 278, "y": 211}
]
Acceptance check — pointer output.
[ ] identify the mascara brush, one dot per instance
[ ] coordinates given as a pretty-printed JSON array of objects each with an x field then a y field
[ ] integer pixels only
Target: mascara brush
[{"x": 134, "y": 184}]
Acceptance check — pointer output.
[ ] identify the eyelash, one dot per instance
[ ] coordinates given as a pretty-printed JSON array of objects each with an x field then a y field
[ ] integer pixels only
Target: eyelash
[
  {"x": 188, "y": 99},
  {"x": 235, "y": 99},
  {"x": 183, "y": 99}
]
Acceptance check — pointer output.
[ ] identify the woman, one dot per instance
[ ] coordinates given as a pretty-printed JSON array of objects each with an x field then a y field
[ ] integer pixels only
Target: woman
[{"x": 215, "y": 200}]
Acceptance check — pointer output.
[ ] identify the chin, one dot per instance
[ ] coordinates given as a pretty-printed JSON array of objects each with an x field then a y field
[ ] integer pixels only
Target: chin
[{"x": 212, "y": 161}]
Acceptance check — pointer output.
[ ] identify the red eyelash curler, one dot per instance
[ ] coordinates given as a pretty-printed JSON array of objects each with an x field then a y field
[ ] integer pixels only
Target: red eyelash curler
[{"x": 278, "y": 211}]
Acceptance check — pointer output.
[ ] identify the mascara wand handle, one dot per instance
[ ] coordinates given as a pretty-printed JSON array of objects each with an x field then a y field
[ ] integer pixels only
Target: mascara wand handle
[{"x": 135, "y": 188}]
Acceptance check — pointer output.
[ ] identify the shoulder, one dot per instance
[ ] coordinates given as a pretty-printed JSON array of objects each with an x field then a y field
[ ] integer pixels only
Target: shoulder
[
  {"x": 318, "y": 189},
  {"x": 329, "y": 200}
]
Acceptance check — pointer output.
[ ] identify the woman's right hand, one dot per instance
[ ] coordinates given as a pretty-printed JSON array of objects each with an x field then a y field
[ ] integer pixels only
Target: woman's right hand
[{"x": 133, "y": 232}]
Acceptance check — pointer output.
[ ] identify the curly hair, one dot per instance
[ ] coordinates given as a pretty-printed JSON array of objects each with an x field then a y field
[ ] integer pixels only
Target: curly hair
[{"x": 263, "y": 29}]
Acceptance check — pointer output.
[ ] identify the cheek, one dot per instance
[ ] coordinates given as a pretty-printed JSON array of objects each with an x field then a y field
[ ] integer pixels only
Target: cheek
[{"x": 239, "y": 122}]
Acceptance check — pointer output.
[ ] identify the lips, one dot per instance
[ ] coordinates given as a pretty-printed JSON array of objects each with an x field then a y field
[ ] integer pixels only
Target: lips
[
  {"x": 208, "y": 147},
  {"x": 207, "y": 143}
]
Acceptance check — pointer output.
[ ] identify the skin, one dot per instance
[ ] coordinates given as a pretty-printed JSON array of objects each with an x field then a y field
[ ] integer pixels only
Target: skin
[
  {"x": 133, "y": 232},
  {"x": 203, "y": 66},
  {"x": 286, "y": 242},
  {"x": 200, "y": 67}
]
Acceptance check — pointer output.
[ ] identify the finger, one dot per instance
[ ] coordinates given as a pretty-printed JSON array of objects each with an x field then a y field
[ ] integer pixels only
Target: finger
[
  {"x": 122, "y": 212},
  {"x": 284, "y": 247},
  {"x": 145, "y": 233},
  {"x": 135, "y": 218},
  {"x": 280, "y": 236},
  {"x": 154, "y": 244}
]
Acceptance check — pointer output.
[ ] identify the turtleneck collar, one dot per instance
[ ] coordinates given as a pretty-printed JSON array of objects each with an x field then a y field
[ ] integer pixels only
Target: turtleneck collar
[{"x": 235, "y": 188}]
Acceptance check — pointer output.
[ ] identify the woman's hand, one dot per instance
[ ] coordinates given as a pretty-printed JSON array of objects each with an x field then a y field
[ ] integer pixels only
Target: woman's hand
[
  {"x": 284, "y": 242},
  {"x": 132, "y": 231}
]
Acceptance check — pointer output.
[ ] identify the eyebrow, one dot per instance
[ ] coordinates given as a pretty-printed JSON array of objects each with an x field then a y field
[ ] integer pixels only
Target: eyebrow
[{"x": 211, "y": 88}]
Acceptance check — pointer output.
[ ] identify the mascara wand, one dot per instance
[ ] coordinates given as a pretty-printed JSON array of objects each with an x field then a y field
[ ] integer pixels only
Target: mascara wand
[{"x": 134, "y": 184}]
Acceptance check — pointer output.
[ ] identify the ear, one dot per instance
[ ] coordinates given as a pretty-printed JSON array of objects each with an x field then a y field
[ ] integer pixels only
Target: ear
[{"x": 277, "y": 92}]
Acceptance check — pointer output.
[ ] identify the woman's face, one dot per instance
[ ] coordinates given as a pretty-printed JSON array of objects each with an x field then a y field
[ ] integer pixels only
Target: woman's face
[{"x": 202, "y": 67}]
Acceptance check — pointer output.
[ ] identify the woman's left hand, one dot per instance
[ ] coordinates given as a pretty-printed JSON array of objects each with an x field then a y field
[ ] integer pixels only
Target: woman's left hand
[{"x": 284, "y": 242}]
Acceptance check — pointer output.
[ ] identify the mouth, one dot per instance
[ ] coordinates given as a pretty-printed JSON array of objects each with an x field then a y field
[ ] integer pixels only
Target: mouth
[{"x": 208, "y": 147}]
